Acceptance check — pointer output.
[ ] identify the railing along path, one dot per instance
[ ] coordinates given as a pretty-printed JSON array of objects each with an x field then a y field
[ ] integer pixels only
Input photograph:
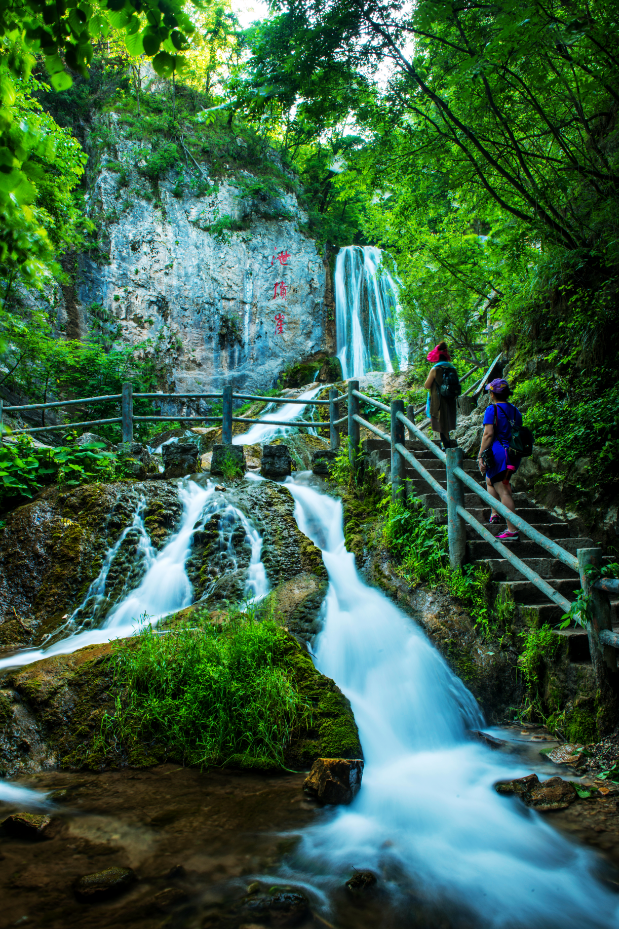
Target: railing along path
[{"x": 601, "y": 635}]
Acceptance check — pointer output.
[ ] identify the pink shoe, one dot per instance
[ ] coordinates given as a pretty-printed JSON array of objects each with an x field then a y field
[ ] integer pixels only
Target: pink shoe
[{"x": 508, "y": 536}]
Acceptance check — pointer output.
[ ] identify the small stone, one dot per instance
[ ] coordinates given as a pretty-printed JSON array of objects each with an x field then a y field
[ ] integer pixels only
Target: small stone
[
  {"x": 276, "y": 461},
  {"x": 220, "y": 487},
  {"x": 176, "y": 872},
  {"x": 103, "y": 885},
  {"x": 169, "y": 896},
  {"x": 361, "y": 881},
  {"x": 283, "y": 909},
  {"x": 568, "y": 753},
  {"x": 228, "y": 460},
  {"x": 254, "y": 887},
  {"x": 180, "y": 459},
  {"x": 30, "y": 826},
  {"x": 334, "y": 780},
  {"x": 553, "y": 794}
]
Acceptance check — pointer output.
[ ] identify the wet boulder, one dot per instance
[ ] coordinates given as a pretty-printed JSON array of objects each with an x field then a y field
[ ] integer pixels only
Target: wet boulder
[
  {"x": 334, "y": 780},
  {"x": 30, "y": 826},
  {"x": 104, "y": 885},
  {"x": 552, "y": 794},
  {"x": 283, "y": 908},
  {"x": 89, "y": 438},
  {"x": 322, "y": 461},
  {"x": 228, "y": 460},
  {"x": 180, "y": 459},
  {"x": 361, "y": 881},
  {"x": 135, "y": 459},
  {"x": 276, "y": 461}
]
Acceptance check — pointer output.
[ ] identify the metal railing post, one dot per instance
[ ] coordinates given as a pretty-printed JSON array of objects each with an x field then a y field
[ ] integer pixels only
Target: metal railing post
[
  {"x": 127, "y": 413},
  {"x": 226, "y": 421},
  {"x": 456, "y": 527},
  {"x": 353, "y": 427},
  {"x": 398, "y": 487},
  {"x": 600, "y": 617},
  {"x": 334, "y": 415}
]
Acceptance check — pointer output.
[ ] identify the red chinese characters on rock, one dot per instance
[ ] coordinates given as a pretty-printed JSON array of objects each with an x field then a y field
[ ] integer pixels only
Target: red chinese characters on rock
[
  {"x": 282, "y": 257},
  {"x": 279, "y": 324},
  {"x": 282, "y": 289}
]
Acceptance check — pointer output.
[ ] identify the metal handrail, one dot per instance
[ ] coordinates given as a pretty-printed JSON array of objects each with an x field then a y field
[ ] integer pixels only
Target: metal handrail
[
  {"x": 315, "y": 424},
  {"x": 283, "y": 400},
  {"x": 54, "y": 403},
  {"x": 374, "y": 429},
  {"x": 92, "y": 422}
]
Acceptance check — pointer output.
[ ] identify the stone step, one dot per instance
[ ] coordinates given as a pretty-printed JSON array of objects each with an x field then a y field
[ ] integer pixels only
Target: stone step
[
  {"x": 480, "y": 550},
  {"x": 534, "y": 515},
  {"x": 553, "y": 531},
  {"x": 551, "y": 614},
  {"x": 374, "y": 445},
  {"x": 503, "y": 570},
  {"x": 525, "y": 592},
  {"x": 577, "y": 644},
  {"x": 471, "y": 501}
]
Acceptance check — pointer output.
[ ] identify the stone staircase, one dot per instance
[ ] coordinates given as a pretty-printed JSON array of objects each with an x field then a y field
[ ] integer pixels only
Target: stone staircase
[{"x": 524, "y": 593}]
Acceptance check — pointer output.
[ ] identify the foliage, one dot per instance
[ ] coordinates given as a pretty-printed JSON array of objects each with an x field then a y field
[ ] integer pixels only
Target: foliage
[
  {"x": 539, "y": 646},
  {"x": 212, "y": 694},
  {"x": 25, "y": 468},
  {"x": 162, "y": 158},
  {"x": 230, "y": 466}
]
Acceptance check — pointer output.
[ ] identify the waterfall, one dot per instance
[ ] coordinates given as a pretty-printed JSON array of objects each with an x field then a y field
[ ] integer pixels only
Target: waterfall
[
  {"x": 427, "y": 818},
  {"x": 165, "y": 587},
  {"x": 370, "y": 329},
  {"x": 286, "y": 412}
]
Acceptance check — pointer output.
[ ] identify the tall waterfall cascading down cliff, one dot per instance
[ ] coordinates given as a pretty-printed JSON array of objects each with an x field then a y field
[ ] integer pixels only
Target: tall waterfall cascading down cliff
[{"x": 370, "y": 332}]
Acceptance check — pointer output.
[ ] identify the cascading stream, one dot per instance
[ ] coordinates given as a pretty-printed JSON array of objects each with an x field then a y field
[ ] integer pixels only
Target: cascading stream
[
  {"x": 287, "y": 412},
  {"x": 368, "y": 316},
  {"x": 427, "y": 815}
]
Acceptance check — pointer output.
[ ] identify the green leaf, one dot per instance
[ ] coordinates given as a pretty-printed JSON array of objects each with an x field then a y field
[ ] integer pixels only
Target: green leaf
[
  {"x": 164, "y": 64},
  {"x": 151, "y": 44},
  {"x": 135, "y": 45}
]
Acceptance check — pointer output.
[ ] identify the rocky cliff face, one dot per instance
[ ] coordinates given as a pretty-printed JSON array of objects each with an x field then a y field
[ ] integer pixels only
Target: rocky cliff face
[{"x": 195, "y": 267}]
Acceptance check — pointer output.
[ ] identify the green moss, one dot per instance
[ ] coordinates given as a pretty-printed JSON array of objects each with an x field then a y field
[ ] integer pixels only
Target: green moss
[{"x": 6, "y": 710}]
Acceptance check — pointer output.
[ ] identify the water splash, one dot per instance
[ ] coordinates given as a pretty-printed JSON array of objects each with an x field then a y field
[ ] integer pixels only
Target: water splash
[
  {"x": 369, "y": 325},
  {"x": 427, "y": 816}
]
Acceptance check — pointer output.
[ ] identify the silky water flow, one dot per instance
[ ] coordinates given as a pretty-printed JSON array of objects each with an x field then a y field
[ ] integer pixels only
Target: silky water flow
[{"x": 427, "y": 817}]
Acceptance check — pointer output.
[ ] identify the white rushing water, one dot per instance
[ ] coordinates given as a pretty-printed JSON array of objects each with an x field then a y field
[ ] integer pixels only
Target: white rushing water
[
  {"x": 284, "y": 413},
  {"x": 427, "y": 813},
  {"x": 165, "y": 587},
  {"x": 368, "y": 316}
]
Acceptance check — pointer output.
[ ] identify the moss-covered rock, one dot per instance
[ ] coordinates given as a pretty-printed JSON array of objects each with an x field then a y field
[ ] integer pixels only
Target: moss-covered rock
[
  {"x": 52, "y": 548},
  {"x": 69, "y": 699},
  {"x": 297, "y": 604}
]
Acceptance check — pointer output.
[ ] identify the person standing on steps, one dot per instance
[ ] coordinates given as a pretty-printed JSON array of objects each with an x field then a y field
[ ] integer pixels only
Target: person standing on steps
[
  {"x": 443, "y": 388},
  {"x": 495, "y": 460}
]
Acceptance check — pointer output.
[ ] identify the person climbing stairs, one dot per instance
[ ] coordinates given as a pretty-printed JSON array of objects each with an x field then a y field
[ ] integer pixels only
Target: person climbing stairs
[{"x": 503, "y": 573}]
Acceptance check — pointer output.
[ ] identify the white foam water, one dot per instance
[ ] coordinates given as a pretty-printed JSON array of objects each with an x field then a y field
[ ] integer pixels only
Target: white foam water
[
  {"x": 287, "y": 412},
  {"x": 427, "y": 815}
]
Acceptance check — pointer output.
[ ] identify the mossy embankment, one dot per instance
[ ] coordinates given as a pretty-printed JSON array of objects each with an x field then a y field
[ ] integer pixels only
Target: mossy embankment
[{"x": 234, "y": 692}]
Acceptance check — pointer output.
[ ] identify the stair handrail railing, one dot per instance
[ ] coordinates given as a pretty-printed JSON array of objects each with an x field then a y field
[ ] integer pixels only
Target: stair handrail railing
[{"x": 602, "y": 639}]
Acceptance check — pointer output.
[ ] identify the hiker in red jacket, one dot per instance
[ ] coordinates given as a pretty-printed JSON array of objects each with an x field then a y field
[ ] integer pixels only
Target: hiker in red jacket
[{"x": 443, "y": 389}]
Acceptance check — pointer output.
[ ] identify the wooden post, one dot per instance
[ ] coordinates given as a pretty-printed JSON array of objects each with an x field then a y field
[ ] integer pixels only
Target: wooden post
[
  {"x": 398, "y": 487},
  {"x": 410, "y": 414},
  {"x": 602, "y": 656},
  {"x": 353, "y": 427},
  {"x": 226, "y": 422},
  {"x": 127, "y": 413},
  {"x": 334, "y": 415},
  {"x": 456, "y": 527}
]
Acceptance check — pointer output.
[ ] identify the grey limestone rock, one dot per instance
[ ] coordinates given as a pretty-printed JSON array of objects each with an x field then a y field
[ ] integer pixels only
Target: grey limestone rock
[
  {"x": 136, "y": 459},
  {"x": 180, "y": 458},
  {"x": 276, "y": 461},
  {"x": 322, "y": 459}
]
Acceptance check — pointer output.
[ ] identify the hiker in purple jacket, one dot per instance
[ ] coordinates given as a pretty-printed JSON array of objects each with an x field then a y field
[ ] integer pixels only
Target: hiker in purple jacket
[{"x": 495, "y": 460}]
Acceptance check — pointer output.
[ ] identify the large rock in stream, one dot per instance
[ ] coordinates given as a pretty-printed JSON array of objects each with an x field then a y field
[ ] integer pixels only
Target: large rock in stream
[{"x": 53, "y": 548}]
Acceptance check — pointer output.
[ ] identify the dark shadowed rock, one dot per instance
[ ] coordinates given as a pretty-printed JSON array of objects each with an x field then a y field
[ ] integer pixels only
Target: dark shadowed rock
[
  {"x": 282, "y": 909},
  {"x": 553, "y": 794},
  {"x": 228, "y": 460},
  {"x": 180, "y": 459},
  {"x": 322, "y": 460},
  {"x": 136, "y": 459},
  {"x": 361, "y": 881},
  {"x": 489, "y": 741},
  {"x": 103, "y": 885},
  {"x": 334, "y": 780},
  {"x": 30, "y": 826},
  {"x": 276, "y": 461}
]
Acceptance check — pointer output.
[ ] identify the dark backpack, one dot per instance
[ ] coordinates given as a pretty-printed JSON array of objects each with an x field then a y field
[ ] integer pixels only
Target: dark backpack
[
  {"x": 451, "y": 386},
  {"x": 521, "y": 442}
]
